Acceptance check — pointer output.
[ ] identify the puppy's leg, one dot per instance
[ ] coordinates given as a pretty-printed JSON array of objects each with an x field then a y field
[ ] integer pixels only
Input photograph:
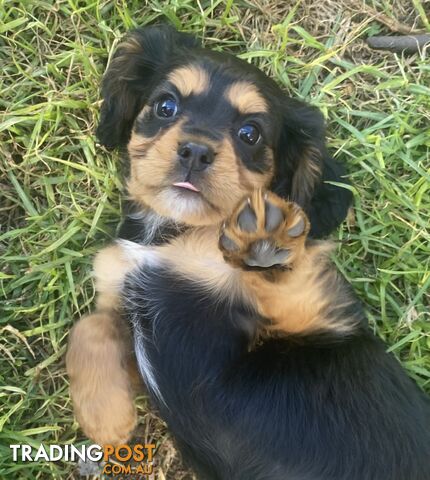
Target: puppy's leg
[
  {"x": 100, "y": 358},
  {"x": 100, "y": 386},
  {"x": 290, "y": 280}
]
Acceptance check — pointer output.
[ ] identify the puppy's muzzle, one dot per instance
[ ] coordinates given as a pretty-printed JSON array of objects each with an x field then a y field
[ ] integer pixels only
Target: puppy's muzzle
[{"x": 195, "y": 156}]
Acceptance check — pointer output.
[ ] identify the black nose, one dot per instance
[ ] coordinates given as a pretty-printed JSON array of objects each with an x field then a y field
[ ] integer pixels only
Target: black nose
[{"x": 195, "y": 156}]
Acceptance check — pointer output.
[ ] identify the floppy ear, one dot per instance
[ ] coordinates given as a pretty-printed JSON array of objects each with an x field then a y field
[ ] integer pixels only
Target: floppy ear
[
  {"x": 303, "y": 167},
  {"x": 130, "y": 77}
]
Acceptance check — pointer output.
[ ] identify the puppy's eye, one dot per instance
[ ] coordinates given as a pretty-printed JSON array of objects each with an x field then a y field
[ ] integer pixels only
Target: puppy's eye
[
  {"x": 166, "y": 107},
  {"x": 250, "y": 134}
]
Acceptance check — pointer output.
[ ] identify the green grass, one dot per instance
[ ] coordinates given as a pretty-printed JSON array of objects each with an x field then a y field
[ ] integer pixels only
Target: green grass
[{"x": 60, "y": 195}]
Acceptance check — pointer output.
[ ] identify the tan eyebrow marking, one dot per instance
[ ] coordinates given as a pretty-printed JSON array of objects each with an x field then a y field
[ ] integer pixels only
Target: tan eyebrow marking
[
  {"x": 190, "y": 80},
  {"x": 246, "y": 98}
]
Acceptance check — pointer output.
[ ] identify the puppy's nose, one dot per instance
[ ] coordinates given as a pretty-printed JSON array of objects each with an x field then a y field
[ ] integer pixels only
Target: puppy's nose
[{"x": 195, "y": 156}]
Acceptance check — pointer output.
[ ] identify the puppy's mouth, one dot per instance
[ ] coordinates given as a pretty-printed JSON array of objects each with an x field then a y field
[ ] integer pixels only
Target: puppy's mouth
[
  {"x": 187, "y": 189},
  {"x": 186, "y": 186}
]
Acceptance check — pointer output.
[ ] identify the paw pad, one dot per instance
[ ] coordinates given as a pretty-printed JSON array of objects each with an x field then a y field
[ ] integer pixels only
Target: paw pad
[
  {"x": 264, "y": 231},
  {"x": 297, "y": 229},
  {"x": 265, "y": 254},
  {"x": 228, "y": 243},
  {"x": 247, "y": 220},
  {"x": 273, "y": 217}
]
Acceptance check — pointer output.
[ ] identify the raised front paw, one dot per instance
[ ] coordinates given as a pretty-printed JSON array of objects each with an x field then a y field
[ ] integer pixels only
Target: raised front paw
[{"x": 264, "y": 231}]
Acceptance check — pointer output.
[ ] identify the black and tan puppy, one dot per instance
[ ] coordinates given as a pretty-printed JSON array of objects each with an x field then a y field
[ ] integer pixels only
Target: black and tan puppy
[{"x": 253, "y": 349}]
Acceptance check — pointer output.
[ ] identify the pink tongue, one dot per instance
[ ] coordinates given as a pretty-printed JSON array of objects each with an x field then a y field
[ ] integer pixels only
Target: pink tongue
[{"x": 187, "y": 185}]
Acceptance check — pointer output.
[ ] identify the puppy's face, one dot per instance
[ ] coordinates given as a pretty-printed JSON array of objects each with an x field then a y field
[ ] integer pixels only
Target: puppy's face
[
  {"x": 203, "y": 129},
  {"x": 203, "y": 140}
]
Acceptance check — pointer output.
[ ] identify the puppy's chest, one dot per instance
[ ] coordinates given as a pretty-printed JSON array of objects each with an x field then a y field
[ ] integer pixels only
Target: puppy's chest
[
  {"x": 189, "y": 318},
  {"x": 196, "y": 261}
]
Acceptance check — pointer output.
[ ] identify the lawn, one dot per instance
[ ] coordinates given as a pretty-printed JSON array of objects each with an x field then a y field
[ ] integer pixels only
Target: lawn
[{"x": 60, "y": 195}]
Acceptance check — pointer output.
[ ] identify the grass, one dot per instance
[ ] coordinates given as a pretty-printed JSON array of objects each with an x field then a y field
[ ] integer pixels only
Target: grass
[{"x": 60, "y": 195}]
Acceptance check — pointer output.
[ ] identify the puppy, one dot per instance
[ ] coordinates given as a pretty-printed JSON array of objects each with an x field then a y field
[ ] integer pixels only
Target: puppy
[{"x": 253, "y": 348}]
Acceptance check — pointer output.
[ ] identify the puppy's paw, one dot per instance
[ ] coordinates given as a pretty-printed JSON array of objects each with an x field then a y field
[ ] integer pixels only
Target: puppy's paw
[
  {"x": 109, "y": 420},
  {"x": 100, "y": 385},
  {"x": 264, "y": 231}
]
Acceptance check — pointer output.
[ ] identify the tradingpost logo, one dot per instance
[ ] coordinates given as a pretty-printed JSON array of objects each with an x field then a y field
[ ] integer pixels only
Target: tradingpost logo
[{"x": 108, "y": 459}]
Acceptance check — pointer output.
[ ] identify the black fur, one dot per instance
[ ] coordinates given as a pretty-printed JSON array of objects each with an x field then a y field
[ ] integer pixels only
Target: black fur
[
  {"x": 314, "y": 408},
  {"x": 325, "y": 204},
  {"x": 132, "y": 77}
]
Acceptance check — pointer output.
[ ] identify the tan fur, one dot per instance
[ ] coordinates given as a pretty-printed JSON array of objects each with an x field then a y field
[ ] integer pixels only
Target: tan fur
[
  {"x": 222, "y": 185},
  {"x": 196, "y": 257},
  {"x": 190, "y": 80},
  {"x": 244, "y": 240},
  {"x": 137, "y": 147},
  {"x": 246, "y": 98},
  {"x": 100, "y": 363},
  {"x": 110, "y": 267},
  {"x": 251, "y": 180},
  {"x": 294, "y": 300},
  {"x": 100, "y": 358}
]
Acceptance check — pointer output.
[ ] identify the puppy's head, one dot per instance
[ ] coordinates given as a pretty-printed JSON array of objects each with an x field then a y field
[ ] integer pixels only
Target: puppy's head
[{"x": 203, "y": 129}]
